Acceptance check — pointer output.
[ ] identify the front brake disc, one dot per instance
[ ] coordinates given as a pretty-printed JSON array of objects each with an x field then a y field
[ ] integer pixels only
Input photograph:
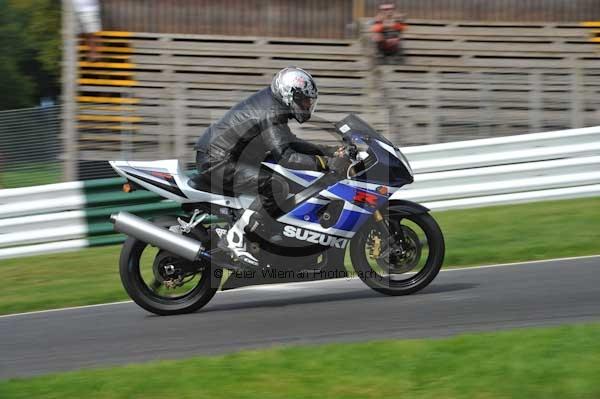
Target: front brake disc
[{"x": 401, "y": 262}]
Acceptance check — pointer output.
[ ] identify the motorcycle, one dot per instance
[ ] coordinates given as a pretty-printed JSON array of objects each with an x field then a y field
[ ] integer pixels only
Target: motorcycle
[{"x": 168, "y": 265}]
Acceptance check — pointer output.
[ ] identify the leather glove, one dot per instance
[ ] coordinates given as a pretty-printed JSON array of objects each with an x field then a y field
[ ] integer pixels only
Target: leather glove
[
  {"x": 332, "y": 151},
  {"x": 339, "y": 165},
  {"x": 329, "y": 150}
]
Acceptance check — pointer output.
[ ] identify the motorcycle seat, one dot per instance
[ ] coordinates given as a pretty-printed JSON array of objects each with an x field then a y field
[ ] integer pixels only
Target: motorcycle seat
[{"x": 199, "y": 184}]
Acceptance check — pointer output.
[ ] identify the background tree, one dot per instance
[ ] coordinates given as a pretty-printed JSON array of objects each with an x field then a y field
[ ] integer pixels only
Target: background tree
[{"x": 30, "y": 52}]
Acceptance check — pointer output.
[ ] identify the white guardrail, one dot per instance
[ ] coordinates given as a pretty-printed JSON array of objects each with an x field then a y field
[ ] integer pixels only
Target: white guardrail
[
  {"x": 474, "y": 173},
  {"x": 506, "y": 170}
]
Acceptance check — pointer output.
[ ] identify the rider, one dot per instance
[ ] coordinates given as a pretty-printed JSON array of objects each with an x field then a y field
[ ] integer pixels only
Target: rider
[{"x": 230, "y": 151}]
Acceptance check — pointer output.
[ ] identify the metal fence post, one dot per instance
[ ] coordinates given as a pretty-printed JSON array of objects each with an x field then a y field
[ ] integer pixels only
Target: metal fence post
[
  {"x": 576, "y": 98},
  {"x": 179, "y": 122},
  {"x": 434, "y": 126},
  {"x": 69, "y": 89},
  {"x": 535, "y": 102},
  {"x": 486, "y": 107}
]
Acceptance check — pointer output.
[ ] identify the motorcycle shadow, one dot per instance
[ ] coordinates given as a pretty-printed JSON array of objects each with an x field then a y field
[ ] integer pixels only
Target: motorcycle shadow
[{"x": 311, "y": 298}]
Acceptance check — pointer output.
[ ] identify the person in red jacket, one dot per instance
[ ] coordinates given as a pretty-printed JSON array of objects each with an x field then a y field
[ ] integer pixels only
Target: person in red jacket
[{"x": 387, "y": 30}]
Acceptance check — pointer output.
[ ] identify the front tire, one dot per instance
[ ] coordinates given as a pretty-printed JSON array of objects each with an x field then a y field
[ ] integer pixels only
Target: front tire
[
  {"x": 134, "y": 276},
  {"x": 424, "y": 254}
]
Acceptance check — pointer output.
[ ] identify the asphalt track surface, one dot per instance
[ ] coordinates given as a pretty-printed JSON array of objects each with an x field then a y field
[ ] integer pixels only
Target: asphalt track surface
[{"x": 461, "y": 300}]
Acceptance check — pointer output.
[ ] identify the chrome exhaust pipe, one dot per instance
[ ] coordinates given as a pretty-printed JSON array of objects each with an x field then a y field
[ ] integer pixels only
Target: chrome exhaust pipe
[{"x": 162, "y": 238}]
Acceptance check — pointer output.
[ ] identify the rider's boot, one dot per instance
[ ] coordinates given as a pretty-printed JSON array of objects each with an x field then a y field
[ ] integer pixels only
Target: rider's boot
[{"x": 235, "y": 243}]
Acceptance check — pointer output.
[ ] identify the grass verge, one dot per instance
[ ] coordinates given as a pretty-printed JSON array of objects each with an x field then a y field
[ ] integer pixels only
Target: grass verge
[
  {"x": 474, "y": 236},
  {"x": 30, "y": 175},
  {"x": 558, "y": 362}
]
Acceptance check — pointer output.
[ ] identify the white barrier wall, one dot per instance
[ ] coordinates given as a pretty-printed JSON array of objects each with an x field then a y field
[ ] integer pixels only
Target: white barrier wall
[{"x": 506, "y": 170}]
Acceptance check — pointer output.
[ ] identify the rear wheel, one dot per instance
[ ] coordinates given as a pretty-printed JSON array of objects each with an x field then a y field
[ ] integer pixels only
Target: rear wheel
[
  {"x": 163, "y": 283},
  {"x": 398, "y": 255}
]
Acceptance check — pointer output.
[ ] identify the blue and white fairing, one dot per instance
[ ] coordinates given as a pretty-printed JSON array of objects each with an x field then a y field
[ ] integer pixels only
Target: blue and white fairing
[
  {"x": 381, "y": 170},
  {"x": 384, "y": 164}
]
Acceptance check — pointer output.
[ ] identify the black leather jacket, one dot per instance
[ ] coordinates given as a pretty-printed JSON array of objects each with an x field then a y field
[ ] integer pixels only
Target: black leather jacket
[{"x": 260, "y": 121}]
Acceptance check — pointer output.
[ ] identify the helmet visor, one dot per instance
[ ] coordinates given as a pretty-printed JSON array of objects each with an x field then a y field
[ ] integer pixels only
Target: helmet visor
[{"x": 306, "y": 104}]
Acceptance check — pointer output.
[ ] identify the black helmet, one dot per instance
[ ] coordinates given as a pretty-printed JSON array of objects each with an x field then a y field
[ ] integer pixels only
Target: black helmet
[{"x": 297, "y": 89}]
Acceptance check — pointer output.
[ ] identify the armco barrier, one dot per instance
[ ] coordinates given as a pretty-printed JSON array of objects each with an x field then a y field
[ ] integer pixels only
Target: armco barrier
[
  {"x": 532, "y": 167},
  {"x": 69, "y": 216},
  {"x": 505, "y": 170}
]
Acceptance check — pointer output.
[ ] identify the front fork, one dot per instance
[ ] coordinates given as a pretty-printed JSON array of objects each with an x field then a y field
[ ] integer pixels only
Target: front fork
[{"x": 397, "y": 233}]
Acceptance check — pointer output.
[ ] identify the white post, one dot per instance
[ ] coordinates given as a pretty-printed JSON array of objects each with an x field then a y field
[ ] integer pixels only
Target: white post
[{"x": 69, "y": 90}]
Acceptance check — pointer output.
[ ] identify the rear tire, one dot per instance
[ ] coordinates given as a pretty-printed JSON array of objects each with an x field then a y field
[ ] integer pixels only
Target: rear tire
[
  {"x": 413, "y": 282},
  {"x": 141, "y": 294}
]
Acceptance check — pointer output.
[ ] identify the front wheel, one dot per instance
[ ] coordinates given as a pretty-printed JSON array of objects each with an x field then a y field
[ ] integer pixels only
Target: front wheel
[{"x": 398, "y": 255}]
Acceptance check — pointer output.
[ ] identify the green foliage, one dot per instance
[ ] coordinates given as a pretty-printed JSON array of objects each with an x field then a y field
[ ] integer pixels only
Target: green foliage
[
  {"x": 545, "y": 363},
  {"x": 42, "y": 31},
  {"x": 30, "y": 51},
  {"x": 16, "y": 88}
]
